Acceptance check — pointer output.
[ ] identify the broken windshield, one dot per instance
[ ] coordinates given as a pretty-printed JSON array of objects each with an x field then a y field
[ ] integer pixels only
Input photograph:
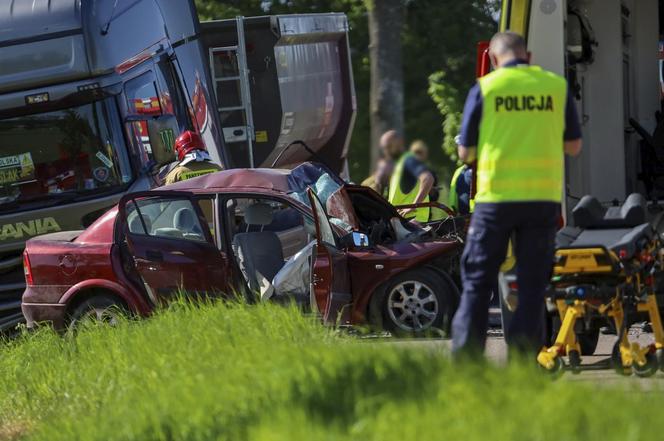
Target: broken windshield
[
  {"x": 314, "y": 176},
  {"x": 325, "y": 184},
  {"x": 71, "y": 152}
]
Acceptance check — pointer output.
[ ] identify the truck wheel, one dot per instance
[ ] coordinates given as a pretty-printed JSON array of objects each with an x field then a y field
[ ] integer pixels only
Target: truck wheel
[
  {"x": 417, "y": 303},
  {"x": 97, "y": 309}
]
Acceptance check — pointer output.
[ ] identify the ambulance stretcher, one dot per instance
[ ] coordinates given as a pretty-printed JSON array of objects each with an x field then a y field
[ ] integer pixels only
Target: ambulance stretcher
[{"x": 606, "y": 267}]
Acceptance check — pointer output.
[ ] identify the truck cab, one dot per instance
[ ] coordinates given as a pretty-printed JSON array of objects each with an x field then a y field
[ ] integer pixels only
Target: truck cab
[{"x": 92, "y": 96}]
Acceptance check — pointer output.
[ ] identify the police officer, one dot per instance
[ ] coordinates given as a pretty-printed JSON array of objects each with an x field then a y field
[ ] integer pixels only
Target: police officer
[
  {"x": 518, "y": 122},
  {"x": 411, "y": 181},
  {"x": 193, "y": 159}
]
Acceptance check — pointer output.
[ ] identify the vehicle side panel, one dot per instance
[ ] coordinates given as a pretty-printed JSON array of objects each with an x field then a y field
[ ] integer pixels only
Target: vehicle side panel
[{"x": 370, "y": 269}]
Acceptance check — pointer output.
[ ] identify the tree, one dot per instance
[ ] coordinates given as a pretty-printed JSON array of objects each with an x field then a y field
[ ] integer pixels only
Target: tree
[{"x": 387, "y": 94}]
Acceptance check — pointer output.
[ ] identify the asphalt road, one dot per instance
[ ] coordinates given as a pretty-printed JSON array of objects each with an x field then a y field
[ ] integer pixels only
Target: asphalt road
[{"x": 496, "y": 352}]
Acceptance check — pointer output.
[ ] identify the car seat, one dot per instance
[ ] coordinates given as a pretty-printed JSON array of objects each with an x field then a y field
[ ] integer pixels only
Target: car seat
[
  {"x": 185, "y": 221},
  {"x": 259, "y": 254},
  {"x": 136, "y": 226}
]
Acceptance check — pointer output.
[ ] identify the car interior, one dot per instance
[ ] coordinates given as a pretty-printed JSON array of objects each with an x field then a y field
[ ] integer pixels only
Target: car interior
[{"x": 269, "y": 238}]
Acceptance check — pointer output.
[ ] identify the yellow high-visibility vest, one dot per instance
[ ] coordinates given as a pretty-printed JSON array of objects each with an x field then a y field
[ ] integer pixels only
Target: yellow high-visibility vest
[
  {"x": 520, "y": 148},
  {"x": 397, "y": 197}
]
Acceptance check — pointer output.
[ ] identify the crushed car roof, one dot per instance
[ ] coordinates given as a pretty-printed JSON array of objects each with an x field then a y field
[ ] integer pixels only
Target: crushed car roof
[{"x": 280, "y": 180}]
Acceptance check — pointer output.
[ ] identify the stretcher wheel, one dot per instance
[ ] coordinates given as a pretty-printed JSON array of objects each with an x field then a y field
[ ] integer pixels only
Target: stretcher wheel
[
  {"x": 649, "y": 369},
  {"x": 557, "y": 370},
  {"x": 660, "y": 358},
  {"x": 616, "y": 361},
  {"x": 574, "y": 361}
]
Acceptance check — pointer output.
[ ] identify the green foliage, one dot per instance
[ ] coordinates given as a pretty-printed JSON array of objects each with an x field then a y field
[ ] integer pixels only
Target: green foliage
[
  {"x": 448, "y": 85},
  {"x": 236, "y": 372},
  {"x": 448, "y": 99}
]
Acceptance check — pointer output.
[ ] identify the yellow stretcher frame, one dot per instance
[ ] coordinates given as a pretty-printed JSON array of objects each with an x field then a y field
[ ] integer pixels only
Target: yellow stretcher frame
[{"x": 643, "y": 360}]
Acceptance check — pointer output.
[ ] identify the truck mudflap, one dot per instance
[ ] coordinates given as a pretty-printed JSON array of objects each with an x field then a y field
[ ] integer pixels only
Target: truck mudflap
[{"x": 11, "y": 288}]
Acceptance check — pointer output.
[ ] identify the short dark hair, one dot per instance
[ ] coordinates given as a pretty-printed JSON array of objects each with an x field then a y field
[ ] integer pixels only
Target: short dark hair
[{"x": 508, "y": 42}]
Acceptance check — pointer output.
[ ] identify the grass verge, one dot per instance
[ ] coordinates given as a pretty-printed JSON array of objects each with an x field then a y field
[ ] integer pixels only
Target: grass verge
[{"x": 235, "y": 372}]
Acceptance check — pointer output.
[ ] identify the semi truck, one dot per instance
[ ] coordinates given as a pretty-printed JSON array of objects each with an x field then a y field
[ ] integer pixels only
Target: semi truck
[{"x": 93, "y": 94}]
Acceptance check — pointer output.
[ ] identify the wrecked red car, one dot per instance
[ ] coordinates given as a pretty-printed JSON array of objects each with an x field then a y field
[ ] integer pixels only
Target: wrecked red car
[{"x": 300, "y": 235}]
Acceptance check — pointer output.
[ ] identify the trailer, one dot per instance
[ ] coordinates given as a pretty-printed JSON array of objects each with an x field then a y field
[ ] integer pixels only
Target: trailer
[
  {"x": 280, "y": 79},
  {"x": 93, "y": 95}
]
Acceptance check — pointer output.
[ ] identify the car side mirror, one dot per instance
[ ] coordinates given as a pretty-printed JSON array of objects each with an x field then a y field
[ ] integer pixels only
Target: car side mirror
[{"x": 360, "y": 240}]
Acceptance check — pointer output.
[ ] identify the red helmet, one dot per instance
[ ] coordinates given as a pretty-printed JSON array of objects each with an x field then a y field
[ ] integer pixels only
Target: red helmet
[{"x": 186, "y": 143}]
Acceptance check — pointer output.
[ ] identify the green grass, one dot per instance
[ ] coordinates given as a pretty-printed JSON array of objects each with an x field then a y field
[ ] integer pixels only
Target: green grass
[{"x": 235, "y": 372}]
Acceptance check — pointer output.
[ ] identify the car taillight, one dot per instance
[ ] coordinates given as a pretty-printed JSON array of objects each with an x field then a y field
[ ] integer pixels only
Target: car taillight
[{"x": 27, "y": 269}]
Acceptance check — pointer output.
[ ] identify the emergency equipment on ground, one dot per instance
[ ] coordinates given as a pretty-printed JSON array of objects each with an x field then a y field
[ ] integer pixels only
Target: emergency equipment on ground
[{"x": 606, "y": 268}]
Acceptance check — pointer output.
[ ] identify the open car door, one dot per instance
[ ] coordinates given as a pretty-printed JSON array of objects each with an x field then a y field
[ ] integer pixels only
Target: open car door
[
  {"x": 171, "y": 244},
  {"x": 330, "y": 279}
]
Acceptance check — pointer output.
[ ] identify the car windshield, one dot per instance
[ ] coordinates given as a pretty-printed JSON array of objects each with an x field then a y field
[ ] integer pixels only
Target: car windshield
[
  {"x": 322, "y": 181},
  {"x": 70, "y": 152},
  {"x": 314, "y": 176}
]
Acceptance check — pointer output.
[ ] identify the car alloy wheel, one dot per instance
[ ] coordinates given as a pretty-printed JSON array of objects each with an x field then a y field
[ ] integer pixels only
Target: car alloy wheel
[
  {"x": 108, "y": 316},
  {"x": 98, "y": 309},
  {"x": 412, "y": 306}
]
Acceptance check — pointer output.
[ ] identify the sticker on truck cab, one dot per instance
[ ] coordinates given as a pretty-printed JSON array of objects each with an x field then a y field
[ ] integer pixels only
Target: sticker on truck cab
[{"x": 17, "y": 168}]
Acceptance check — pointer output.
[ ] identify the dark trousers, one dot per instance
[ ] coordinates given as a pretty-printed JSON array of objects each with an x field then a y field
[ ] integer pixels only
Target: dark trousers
[{"x": 533, "y": 226}]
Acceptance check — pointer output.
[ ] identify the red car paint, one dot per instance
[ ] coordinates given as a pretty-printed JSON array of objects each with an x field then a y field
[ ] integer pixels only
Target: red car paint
[{"x": 71, "y": 266}]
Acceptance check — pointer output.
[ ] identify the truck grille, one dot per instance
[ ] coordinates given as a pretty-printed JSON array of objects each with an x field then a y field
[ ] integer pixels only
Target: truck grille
[{"x": 12, "y": 285}]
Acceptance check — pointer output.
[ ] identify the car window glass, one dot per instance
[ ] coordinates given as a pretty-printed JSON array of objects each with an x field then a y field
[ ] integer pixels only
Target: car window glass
[
  {"x": 324, "y": 227},
  {"x": 207, "y": 207},
  {"x": 165, "y": 218}
]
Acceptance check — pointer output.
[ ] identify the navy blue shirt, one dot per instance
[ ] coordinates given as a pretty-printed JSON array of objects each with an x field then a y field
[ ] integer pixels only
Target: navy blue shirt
[
  {"x": 412, "y": 169},
  {"x": 463, "y": 186},
  {"x": 472, "y": 115}
]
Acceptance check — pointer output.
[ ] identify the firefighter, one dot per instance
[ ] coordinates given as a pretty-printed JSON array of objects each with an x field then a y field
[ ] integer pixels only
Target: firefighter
[
  {"x": 193, "y": 158},
  {"x": 411, "y": 182},
  {"x": 518, "y": 122}
]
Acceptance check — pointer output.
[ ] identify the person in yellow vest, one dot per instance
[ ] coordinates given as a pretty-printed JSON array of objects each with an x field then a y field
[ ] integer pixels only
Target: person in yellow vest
[
  {"x": 420, "y": 150},
  {"x": 460, "y": 187},
  {"x": 411, "y": 181},
  {"x": 518, "y": 123},
  {"x": 193, "y": 158}
]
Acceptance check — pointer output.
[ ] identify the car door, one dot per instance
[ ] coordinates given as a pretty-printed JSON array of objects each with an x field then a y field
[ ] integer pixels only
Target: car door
[
  {"x": 330, "y": 279},
  {"x": 171, "y": 244}
]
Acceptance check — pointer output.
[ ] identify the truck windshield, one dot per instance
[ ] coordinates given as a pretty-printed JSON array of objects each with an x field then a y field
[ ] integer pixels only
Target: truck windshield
[{"x": 65, "y": 153}]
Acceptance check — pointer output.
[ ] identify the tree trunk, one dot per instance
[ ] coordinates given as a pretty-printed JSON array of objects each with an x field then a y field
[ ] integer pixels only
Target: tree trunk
[{"x": 386, "y": 102}]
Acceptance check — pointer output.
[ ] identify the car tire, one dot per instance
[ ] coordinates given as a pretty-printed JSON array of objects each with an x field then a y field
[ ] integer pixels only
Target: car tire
[
  {"x": 99, "y": 308},
  {"x": 418, "y": 303}
]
